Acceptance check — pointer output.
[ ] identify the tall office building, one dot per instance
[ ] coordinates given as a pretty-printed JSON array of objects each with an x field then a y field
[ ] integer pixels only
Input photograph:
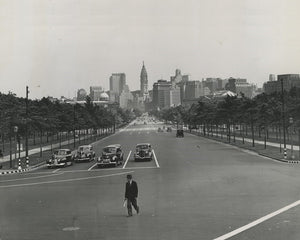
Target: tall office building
[
  {"x": 165, "y": 95},
  {"x": 193, "y": 89},
  {"x": 117, "y": 82}
]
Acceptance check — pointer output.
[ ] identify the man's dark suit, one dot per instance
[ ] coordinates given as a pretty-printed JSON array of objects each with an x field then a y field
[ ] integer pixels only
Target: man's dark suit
[{"x": 131, "y": 193}]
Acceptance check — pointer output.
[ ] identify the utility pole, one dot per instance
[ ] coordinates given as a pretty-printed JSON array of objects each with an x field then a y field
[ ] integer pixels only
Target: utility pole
[
  {"x": 74, "y": 119},
  {"x": 283, "y": 116},
  {"x": 26, "y": 124}
]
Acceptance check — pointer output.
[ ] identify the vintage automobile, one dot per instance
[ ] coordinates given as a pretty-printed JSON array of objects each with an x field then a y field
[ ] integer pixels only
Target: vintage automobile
[
  {"x": 169, "y": 129},
  {"x": 85, "y": 153},
  {"x": 60, "y": 158},
  {"x": 179, "y": 133},
  {"x": 143, "y": 152},
  {"x": 111, "y": 155}
]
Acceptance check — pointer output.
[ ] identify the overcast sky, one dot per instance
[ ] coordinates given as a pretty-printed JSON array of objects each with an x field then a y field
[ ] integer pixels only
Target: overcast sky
[{"x": 58, "y": 46}]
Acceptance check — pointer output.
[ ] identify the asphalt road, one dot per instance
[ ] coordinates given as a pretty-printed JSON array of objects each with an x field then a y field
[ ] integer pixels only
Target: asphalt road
[{"x": 197, "y": 189}]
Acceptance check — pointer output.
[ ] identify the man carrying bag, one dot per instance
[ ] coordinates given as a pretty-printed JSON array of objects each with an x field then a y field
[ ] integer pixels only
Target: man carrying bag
[{"x": 131, "y": 194}]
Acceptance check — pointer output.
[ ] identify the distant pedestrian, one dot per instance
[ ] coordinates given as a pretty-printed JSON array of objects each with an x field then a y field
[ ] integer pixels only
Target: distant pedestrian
[{"x": 131, "y": 194}]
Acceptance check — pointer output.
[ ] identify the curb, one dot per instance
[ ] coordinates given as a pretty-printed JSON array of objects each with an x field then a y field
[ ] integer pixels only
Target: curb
[{"x": 15, "y": 171}]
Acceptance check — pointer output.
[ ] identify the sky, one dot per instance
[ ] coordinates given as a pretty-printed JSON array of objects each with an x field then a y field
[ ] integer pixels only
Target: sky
[{"x": 58, "y": 46}]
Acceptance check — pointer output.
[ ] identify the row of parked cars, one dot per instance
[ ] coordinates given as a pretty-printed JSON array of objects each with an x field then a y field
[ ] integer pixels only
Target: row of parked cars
[{"x": 111, "y": 155}]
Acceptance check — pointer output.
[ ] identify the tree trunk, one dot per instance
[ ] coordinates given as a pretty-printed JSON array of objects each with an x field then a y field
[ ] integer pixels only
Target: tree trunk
[
  {"x": 252, "y": 132},
  {"x": 280, "y": 147},
  {"x": 228, "y": 131},
  {"x": 41, "y": 141}
]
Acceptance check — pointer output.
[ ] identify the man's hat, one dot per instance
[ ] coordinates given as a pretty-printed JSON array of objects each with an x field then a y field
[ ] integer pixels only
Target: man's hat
[{"x": 129, "y": 176}]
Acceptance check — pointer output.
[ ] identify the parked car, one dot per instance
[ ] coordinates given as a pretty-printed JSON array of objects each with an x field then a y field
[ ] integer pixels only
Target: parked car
[
  {"x": 143, "y": 151},
  {"x": 169, "y": 129},
  {"x": 85, "y": 153},
  {"x": 159, "y": 130},
  {"x": 179, "y": 133},
  {"x": 60, "y": 158},
  {"x": 111, "y": 155}
]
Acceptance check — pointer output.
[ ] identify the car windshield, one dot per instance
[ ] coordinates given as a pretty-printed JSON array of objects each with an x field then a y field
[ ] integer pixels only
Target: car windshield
[
  {"x": 109, "y": 150},
  {"x": 81, "y": 149},
  {"x": 142, "y": 147},
  {"x": 60, "y": 152}
]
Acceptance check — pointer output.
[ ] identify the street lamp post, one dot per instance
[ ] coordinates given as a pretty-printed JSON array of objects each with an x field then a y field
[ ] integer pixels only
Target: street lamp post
[
  {"x": 74, "y": 120},
  {"x": 16, "y": 129},
  {"x": 291, "y": 121},
  {"x": 26, "y": 124},
  {"x": 283, "y": 118}
]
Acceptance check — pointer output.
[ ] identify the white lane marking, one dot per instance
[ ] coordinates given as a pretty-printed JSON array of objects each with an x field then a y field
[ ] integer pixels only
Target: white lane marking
[
  {"x": 129, "y": 168},
  {"x": 65, "y": 180},
  {"x": 56, "y": 170},
  {"x": 21, "y": 179},
  {"x": 127, "y": 159},
  {"x": 94, "y": 165},
  {"x": 258, "y": 221},
  {"x": 157, "y": 165}
]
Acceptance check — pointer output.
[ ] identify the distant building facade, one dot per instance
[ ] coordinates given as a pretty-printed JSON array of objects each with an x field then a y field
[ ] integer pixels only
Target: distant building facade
[
  {"x": 117, "y": 82},
  {"x": 288, "y": 82},
  {"x": 240, "y": 86},
  {"x": 126, "y": 98},
  {"x": 161, "y": 94},
  {"x": 193, "y": 89},
  {"x": 81, "y": 95},
  {"x": 95, "y": 93}
]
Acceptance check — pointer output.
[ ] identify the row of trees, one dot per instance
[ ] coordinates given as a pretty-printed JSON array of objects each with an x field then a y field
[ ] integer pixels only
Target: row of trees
[
  {"x": 45, "y": 116},
  {"x": 264, "y": 112}
]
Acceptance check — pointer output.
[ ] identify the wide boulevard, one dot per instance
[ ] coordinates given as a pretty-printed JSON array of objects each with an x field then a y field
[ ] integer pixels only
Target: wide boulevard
[{"x": 194, "y": 188}]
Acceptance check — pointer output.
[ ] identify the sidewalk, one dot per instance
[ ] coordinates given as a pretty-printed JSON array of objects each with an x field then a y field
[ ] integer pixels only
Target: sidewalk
[{"x": 272, "y": 149}]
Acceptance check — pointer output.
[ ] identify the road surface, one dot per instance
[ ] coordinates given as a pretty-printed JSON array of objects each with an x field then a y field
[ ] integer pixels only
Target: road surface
[{"x": 195, "y": 188}]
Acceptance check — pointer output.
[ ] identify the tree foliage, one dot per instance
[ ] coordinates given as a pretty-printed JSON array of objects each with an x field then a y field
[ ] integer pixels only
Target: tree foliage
[{"x": 47, "y": 116}]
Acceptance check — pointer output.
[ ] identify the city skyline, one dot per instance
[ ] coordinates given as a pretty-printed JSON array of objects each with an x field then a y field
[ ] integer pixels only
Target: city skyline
[{"x": 55, "y": 47}]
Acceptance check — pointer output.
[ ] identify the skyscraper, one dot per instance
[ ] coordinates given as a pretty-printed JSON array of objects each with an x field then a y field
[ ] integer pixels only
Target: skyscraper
[
  {"x": 144, "y": 82},
  {"x": 117, "y": 82}
]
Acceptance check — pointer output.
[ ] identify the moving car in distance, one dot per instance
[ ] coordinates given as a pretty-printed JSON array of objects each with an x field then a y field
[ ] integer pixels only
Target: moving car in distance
[
  {"x": 85, "y": 153},
  {"x": 143, "y": 152},
  {"x": 111, "y": 155},
  {"x": 179, "y": 133},
  {"x": 60, "y": 158}
]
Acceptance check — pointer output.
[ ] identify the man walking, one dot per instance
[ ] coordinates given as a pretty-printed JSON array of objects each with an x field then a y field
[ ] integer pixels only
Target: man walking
[{"x": 131, "y": 194}]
